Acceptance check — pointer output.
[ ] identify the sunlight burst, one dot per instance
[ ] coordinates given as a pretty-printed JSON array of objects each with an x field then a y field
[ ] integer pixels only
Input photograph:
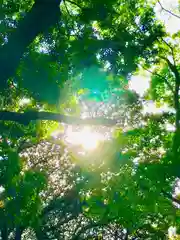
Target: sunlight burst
[{"x": 86, "y": 138}]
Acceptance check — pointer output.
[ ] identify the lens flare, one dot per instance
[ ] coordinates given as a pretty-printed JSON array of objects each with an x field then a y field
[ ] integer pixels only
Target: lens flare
[{"x": 86, "y": 137}]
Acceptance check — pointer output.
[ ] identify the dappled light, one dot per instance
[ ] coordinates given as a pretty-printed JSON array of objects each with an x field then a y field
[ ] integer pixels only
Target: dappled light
[{"x": 89, "y": 120}]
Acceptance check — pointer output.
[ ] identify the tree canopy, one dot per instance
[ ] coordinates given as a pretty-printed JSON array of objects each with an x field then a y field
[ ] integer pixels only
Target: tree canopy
[{"x": 80, "y": 156}]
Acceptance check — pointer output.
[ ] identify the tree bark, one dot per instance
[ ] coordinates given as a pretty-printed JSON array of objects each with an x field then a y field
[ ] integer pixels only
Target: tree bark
[
  {"x": 43, "y": 15},
  {"x": 176, "y": 139},
  {"x": 176, "y": 143},
  {"x": 26, "y": 117}
]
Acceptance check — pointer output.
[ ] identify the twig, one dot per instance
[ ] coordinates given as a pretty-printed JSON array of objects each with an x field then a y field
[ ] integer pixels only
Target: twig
[{"x": 168, "y": 11}]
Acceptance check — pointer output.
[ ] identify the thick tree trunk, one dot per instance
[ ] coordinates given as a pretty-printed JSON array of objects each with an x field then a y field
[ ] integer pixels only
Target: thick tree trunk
[
  {"x": 176, "y": 140},
  {"x": 26, "y": 117},
  {"x": 43, "y": 14}
]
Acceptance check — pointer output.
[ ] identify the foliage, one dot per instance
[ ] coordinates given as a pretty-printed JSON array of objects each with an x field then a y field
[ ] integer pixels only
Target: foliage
[{"x": 77, "y": 60}]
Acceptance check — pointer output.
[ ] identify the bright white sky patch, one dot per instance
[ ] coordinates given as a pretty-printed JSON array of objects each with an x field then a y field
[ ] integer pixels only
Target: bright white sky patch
[
  {"x": 172, "y": 232},
  {"x": 139, "y": 84},
  {"x": 150, "y": 107},
  {"x": 169, "y": 127},
  {"x": 1, "y": 189},
  {"x": 171, "y": 23}
]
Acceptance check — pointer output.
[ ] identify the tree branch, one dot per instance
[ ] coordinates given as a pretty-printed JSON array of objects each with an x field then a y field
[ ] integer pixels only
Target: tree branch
[
  {"x": 158, "y": 75},
  {"x": 172, "y": 50},
  {"x": 164, "y": 193},
  {"x": 67, "y": 10},
  {"x": 175, "y": 71},
  {"x": 74, "y": 3},
  {"x": 43, "y": 15},
  {"x": 168, "y": 11},
  {"x": 177, "y": 122},
  {"x": 170, "y": 197},
  {"x": 26, "y": 117}
]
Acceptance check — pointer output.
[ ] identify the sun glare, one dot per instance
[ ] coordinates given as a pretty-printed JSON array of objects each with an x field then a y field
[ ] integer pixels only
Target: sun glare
[{"x": 86, "y": 138}]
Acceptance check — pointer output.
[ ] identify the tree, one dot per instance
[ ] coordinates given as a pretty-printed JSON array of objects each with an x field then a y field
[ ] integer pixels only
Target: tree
[{"x": 53, "y": 53}]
